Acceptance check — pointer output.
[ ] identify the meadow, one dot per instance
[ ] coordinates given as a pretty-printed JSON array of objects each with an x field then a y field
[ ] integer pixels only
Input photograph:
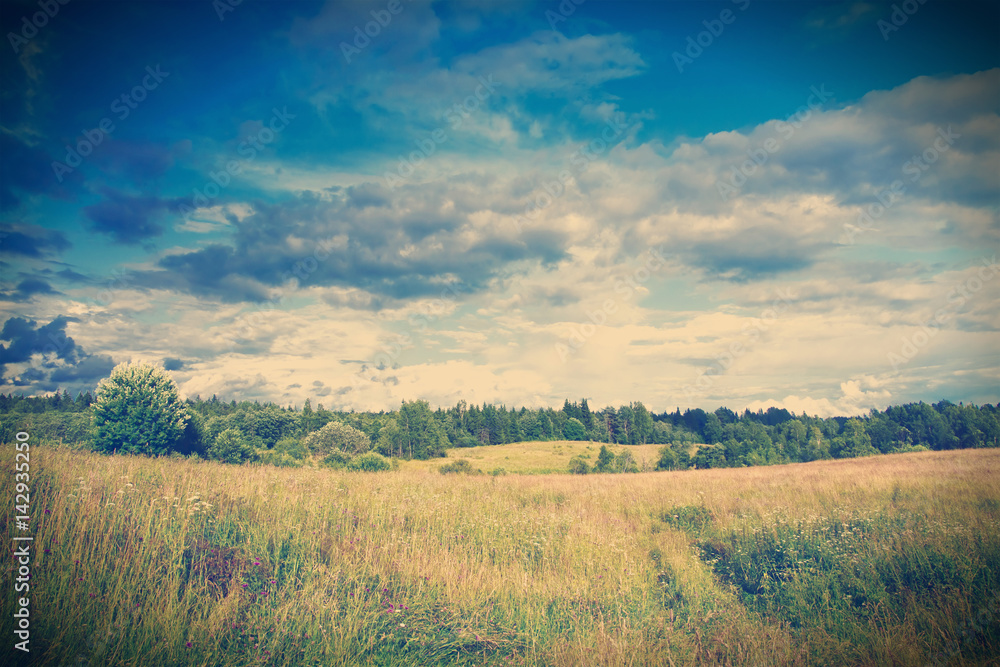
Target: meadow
[
  {"x": 534, "y": 458},
  {"x": 887, "y": 560}
]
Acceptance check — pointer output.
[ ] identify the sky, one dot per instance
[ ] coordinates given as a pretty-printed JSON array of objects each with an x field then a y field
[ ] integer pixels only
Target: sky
[{"x": 746, "y": 203}]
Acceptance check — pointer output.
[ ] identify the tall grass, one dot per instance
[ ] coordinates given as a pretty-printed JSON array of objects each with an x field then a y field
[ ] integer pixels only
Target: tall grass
[{"x": 174, "y": 562}]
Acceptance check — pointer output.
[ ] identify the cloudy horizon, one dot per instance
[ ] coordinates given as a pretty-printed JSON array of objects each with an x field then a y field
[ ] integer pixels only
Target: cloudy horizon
[{"x": 689, "y": 204}]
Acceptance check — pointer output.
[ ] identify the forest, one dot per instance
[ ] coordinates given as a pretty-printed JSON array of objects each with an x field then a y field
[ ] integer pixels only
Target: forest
[{"x": 240, "y": 432}]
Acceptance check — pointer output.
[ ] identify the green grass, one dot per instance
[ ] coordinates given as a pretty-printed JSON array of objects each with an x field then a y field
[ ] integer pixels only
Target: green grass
[{"x": 890, "y": 560}]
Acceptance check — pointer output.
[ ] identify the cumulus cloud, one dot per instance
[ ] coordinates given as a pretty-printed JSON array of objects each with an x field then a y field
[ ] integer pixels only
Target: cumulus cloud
[{"x": 43, "y": 358}]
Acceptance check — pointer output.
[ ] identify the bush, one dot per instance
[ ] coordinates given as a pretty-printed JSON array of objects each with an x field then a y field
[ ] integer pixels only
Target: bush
[
  {"x": 292, "y": 447},
  {"x": 461, "y": 466},
  {"x": 138, "y": 411},
  {"x": 231, "y": 447},
  {"x": 625, "y": 462},
  {"x": 578, "y": 466},
  {"x": 337, "y": 459},
  {"x": 497, "y": 472},
  {"x": 279, "y": 459},
  {"x": 466, "y": 440},
  {"x": 369, "y": 462}
]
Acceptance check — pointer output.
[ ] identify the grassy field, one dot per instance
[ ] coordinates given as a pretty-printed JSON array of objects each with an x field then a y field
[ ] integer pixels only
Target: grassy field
[
  {"x": 890, "y": 560},
  {"x": 536, "y": 457}
]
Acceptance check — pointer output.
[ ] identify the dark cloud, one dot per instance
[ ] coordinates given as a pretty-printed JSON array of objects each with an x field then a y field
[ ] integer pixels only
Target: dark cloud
[
  {"x": 87, "y": 373},
  {"x": 26, "y": 169},
  {"x": 172, "y": 364},
  {"x": 71, "y": 275},
  {"x": 753, "y": 254},
  {"x": 26, "y": 289},
  {"x": 412, "y": 247},
  {"x": 367, "y": 194},
  {"x": 25, "y": 339},
  {"x": 129, "y": 220},
  {"x": 31, "y": 240}
]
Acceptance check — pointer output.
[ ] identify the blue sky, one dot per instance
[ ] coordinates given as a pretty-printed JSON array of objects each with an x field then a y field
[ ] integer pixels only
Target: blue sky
[{"x": 691, "y": 204}]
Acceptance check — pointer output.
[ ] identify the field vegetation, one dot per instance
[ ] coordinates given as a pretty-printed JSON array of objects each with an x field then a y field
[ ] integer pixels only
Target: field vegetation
[{"x": 885, "y": 560}]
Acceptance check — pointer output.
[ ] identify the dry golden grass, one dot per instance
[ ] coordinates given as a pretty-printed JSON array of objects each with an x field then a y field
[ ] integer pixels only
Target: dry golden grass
[
  {"x": 258, "y": 565},
  {"x": 535, "y": 457}
]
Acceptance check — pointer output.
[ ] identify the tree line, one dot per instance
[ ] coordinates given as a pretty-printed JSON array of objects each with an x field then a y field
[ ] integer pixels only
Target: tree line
[{"x": 247, "y": 431}]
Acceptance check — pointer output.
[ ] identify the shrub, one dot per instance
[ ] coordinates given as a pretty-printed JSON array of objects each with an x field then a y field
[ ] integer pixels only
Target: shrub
[
  {"x": 461, "y": 466},
  {"x": 231, "y": 447},
  {"x": 578, "y": 466},
  {"x": 138, "y": 411},
  {"x": 496, "y": 472},
  {"x": 292, "y": 447},
  {"x": 625, "y": 462},
  {"x": 279, "y": 459},
  {"x": 337, "y": 459},
  {"x": 369, "y": 462}
]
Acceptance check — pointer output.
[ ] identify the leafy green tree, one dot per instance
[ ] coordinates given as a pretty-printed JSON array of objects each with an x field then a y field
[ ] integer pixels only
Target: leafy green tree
[
  {"x": 625, "y": 462},
  {"x": 390, "y": 439},
  {"x": 578, "y": 466},
  {"x": 642, "y": 424},
  {"x": 856, "y": 442},
  {"x": 668, "y": 459},
  {"x": 138, "y": 411},
  {"x": 818, "y": 447},
  {"x": 710, "y": 456},
  {"x": 604, "y": 460},
  {"x": 573, "y": 430},
  {"x": 422, "y": 436},
  {"x": 231, "y": 447},
  {"x": 336, "y": 435}
]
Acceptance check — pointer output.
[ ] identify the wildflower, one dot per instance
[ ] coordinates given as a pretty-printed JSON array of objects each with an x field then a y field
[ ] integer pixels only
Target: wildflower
[
  {"x": 48, "y": 511},
  {"x": 188, "y": 645}
]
